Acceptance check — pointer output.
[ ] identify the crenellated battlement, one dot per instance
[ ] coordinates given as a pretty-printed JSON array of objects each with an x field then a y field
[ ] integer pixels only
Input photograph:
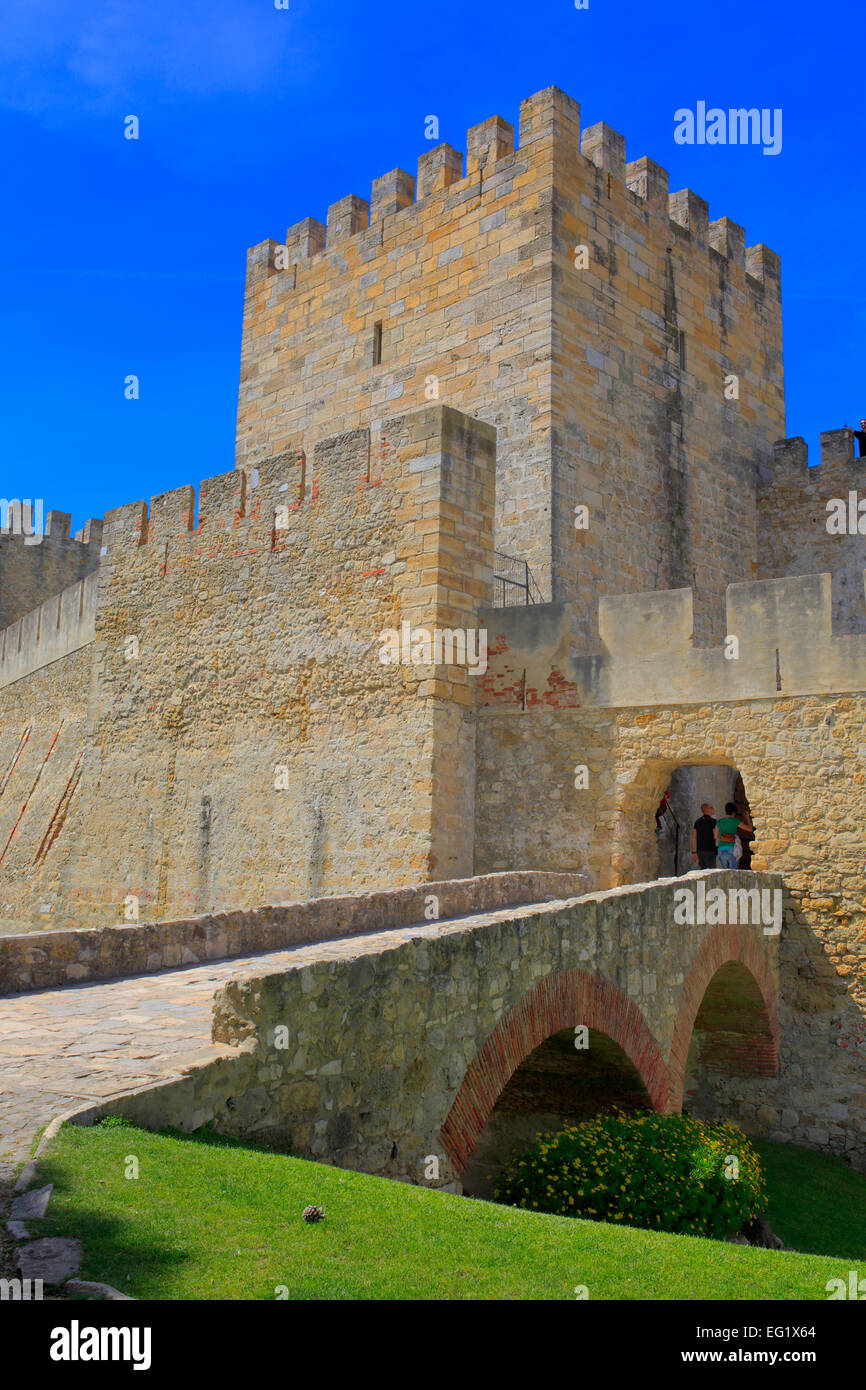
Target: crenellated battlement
[
  {"x": 20, "y": 521},
  {"x": 37, "y": 564},
  {"x": 350, "y": 518},
  {"x": 260, "y": 500},
  {"x": 524, "y": 368},
  {"x": 55, "y": 629},
  {"x": 779, "y": 642},
  {"x": 193, "y": 694},
  {"x": 648, "y": 183},
  {"x": 812, "y": 519},
  {"x": 839, "y": 459},
  {"x": 557, "y": 290},
  {"x": 240, "y": 514},
  {"x": 447, "y": 179}
]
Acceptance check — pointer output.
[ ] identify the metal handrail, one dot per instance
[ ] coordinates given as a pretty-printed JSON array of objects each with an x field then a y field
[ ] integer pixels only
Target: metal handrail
[{"x": 511, "y": 573}]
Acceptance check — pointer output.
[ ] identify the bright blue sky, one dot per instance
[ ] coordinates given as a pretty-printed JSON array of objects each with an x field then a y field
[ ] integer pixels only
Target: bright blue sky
[{"x": 123, "y": 257}]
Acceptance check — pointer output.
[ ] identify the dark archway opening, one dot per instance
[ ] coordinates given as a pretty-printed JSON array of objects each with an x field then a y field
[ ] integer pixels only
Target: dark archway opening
[
  {"x": 732, "y": 1037},
  {"x": 687, "y": 788},
  {"x": 557, "y": 1085}
]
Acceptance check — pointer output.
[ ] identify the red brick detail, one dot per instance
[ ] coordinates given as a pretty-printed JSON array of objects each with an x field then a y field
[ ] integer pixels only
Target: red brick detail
[
  {"x": 558, "y": 1001},
  {"x": 503, "y": 684},
  {"x": 739, "y": 1055},
  {"x": 721, "y": 946}
]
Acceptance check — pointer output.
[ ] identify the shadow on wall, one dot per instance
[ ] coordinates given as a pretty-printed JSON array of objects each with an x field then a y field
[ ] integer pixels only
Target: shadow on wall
[
  {"x": 559, "y": 1084},
  {"x": 732, "y": 1037},
  {"x": 816, "y": 1099}
]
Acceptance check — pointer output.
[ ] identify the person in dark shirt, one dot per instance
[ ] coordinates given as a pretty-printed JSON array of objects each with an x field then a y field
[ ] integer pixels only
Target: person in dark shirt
[{"x": 705, "y": 838}]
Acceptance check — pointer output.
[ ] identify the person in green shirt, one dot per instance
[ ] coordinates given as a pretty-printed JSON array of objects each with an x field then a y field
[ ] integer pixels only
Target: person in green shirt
[{"x": 728, "y": 825}]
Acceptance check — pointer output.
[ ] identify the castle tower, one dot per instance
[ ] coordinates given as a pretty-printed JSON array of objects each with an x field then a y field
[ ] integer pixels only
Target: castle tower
[{"x": 627, "y": 350}]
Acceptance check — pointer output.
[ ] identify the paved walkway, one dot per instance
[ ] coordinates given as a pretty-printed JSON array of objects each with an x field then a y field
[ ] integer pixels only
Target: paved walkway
[
  {"x": 61, "y": 1048},
  {"x": 77, "y": 1045}
]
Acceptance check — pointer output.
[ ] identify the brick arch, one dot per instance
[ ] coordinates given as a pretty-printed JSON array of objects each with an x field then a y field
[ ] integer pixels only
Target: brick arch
[
  {"x": 722, "y": 946},
  {"x": 556, "y": 1002}
]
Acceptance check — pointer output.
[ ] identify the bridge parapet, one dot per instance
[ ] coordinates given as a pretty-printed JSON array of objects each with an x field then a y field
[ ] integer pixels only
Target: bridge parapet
[
  {"x": 376, "y": 1052},
  {"x": 44, "y": 960}
]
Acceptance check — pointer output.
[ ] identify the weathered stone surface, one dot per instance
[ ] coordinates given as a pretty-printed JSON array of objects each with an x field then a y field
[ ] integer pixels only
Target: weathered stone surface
[
  {"x": 793, "y": 514},
  {"x": 37, "y": 960},
  {"x": 377, "y": 1051},
  {"x": 289, "y": 585},
  {"x": 202, "y": 724},
  {"x": 86, "y": 1288},
  {"x": 31, "y": 574},
  {"x": 29, "y": 1206},
  {"x": 52, "y": 1259}
]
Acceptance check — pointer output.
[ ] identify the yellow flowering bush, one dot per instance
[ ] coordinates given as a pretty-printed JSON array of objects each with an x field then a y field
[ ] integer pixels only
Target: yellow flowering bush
[{"x": 663, "y": 1172}]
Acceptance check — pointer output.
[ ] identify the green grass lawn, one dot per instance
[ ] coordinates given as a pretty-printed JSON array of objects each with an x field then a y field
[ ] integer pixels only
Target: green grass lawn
[
  {"x": 209, "y": 1218},
  {"x": 817, "y": 1204}
]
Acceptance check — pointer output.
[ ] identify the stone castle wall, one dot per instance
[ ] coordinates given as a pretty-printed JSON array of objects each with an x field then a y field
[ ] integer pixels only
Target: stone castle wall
[
  {"x": 59, "y": 626},
  {"x": 474, "y": 284},
  {"x": 196, "y": 720},
  {"x": 43, "y": 736},
  {"x": 34, "y": 568},
  {"x": 45, "y": 960},
  {"x": 459, "y": 281},
  {"x": 799, "y": 747},
  {"x": 793, "y": 516},
  {"x": 800, "y": 751},
  {"x": 645, "y": 337},
  {"x": 228, "y": 736}
]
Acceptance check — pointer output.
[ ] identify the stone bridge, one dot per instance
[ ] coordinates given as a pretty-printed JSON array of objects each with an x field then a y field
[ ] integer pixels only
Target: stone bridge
[{"x": 384, "y": 1050}]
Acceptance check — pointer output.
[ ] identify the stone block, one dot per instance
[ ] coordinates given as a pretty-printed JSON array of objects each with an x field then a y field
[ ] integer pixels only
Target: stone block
[
  {"x": 438, "y": 169},
  {"x": 605, "y": 147}
]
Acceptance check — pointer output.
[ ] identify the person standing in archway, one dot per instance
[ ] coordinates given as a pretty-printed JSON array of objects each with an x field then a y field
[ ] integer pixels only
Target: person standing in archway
[
  {"x": 705, "y": 838},
  {"x": 728, "y": 826},
  {"x": 664, "y": 805}
]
